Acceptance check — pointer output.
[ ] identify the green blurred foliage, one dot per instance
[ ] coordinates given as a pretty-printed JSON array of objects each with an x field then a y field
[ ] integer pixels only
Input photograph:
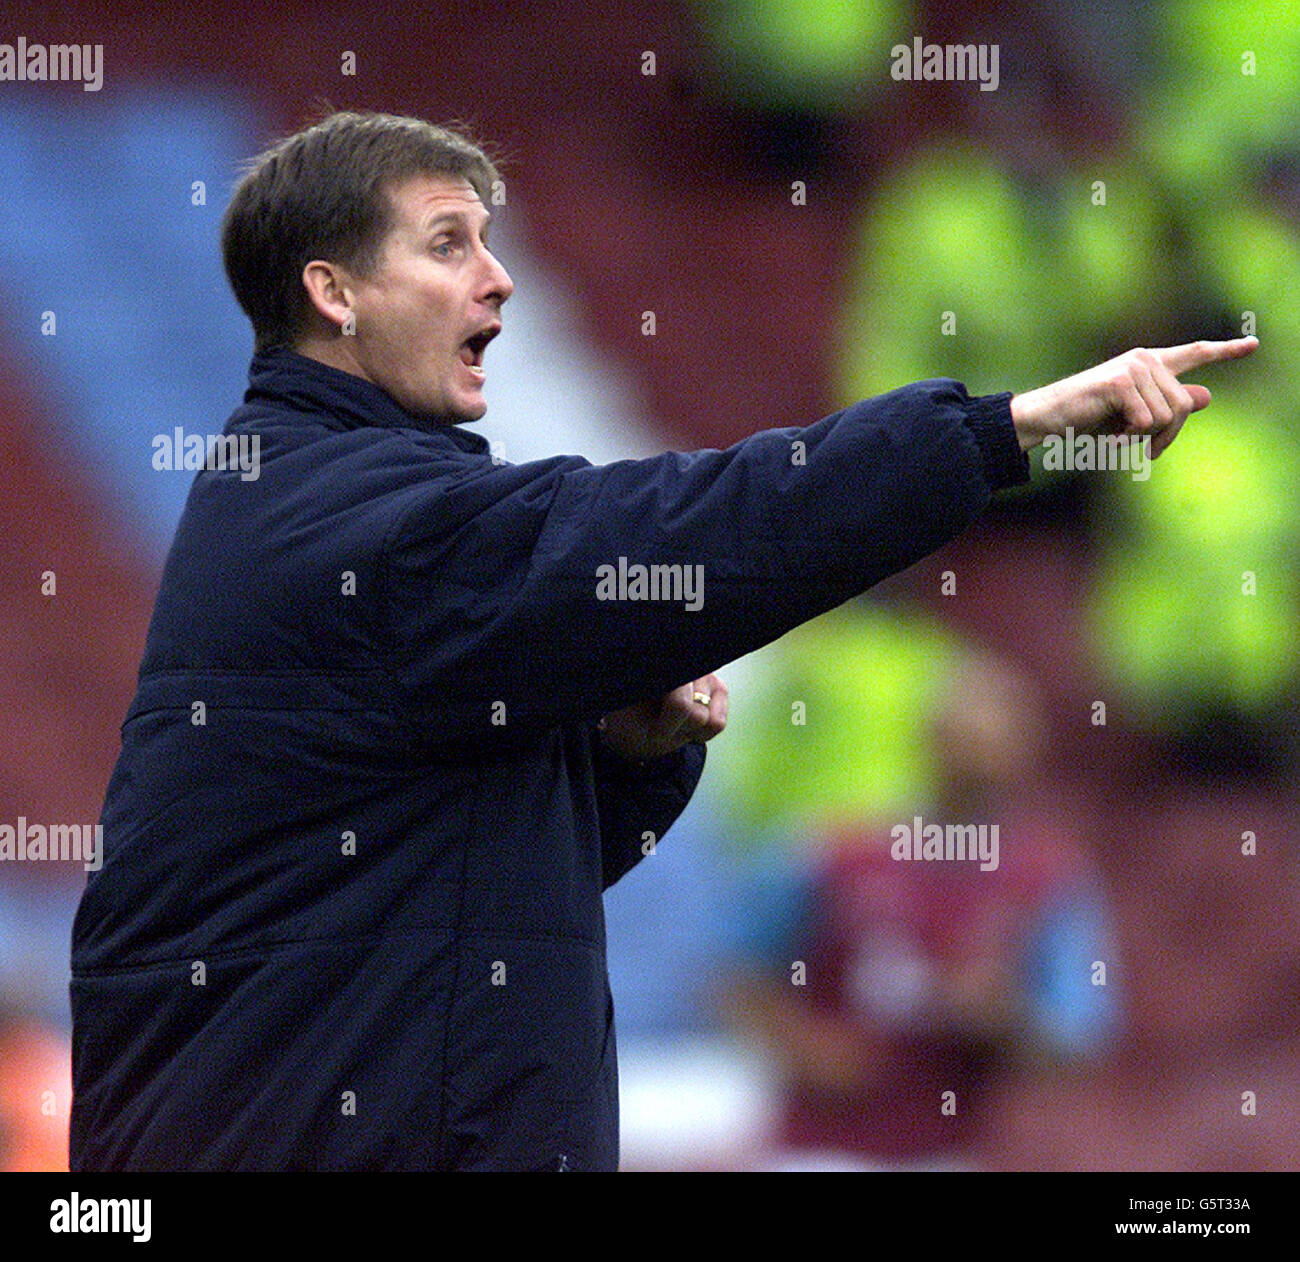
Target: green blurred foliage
[
  {"x": 1171, "y": 619},
  {"x": 965, "y": 265},
  {"x": 1035, "y": 278},
  {"x": 1202, "y": 121},
  {"x": 804, "y": 54},
  {"x": 1042, "y": 281},
  {"x": 1250, "y": 256},
  {"x": 867, "y": 678}
]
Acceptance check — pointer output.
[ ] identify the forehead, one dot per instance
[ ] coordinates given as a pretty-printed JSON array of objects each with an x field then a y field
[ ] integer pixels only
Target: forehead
[{"x": 421, "y": 200}]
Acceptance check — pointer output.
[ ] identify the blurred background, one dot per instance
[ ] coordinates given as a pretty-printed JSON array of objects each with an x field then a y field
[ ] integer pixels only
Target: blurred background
[{"x": 1103, "y": 667}]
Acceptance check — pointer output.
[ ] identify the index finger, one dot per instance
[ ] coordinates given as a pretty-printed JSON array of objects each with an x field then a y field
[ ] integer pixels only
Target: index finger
[{"x": 1181, "y": 358}]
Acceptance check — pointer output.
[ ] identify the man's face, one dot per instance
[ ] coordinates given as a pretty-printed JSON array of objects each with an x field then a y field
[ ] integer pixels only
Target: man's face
[{"x": 433, "y": 301}]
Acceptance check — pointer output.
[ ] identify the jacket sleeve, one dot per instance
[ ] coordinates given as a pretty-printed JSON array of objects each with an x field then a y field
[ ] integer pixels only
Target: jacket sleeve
[
  {"x": 491, "y": 582},
  {"x": 638, "y": 802}
]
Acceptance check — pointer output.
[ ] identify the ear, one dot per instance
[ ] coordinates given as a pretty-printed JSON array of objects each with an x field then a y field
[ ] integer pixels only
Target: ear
[{"x": 328, "y": 290}]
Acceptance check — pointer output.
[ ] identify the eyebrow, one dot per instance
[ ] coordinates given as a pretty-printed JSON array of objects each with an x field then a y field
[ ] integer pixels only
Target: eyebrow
[{"x": 454, "y": 216}]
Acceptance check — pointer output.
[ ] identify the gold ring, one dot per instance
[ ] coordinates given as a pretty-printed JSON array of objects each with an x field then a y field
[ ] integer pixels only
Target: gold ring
[{"x": 702, "y": 697}]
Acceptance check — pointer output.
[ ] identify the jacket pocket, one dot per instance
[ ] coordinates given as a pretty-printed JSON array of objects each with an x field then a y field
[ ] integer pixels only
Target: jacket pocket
[{"x": 528, "y": 1073}]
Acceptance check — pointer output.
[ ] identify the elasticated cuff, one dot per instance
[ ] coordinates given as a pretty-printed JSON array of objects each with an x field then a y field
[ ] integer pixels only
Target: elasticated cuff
[
  {"x": 656, "y": 770},
  {"x": 989, "y": 418}
]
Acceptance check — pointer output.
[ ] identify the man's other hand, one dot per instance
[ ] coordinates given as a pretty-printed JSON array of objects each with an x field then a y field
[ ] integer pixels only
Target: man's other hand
[
  {"x": 1137, "y": 393},
  {"x": 651, "y": 729}
]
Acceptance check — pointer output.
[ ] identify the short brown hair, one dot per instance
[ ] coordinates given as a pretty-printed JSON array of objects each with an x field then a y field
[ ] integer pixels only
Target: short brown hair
[{"x": 322, "y": 193}]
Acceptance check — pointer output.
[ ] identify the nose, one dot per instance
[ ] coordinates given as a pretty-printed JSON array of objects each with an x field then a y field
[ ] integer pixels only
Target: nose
[{"x": 497, "y": 283}]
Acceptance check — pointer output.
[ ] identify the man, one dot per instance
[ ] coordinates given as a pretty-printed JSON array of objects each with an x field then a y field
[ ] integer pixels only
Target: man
[
  {"x": 924, "y": 977},
  {"x": 405, "y": 711}
]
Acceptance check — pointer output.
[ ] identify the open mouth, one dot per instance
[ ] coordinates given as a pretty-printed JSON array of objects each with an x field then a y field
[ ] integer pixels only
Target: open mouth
[{"x": 471, "y": 349}]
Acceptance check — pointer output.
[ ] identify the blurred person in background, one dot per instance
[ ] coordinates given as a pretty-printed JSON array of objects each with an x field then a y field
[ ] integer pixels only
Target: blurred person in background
[
  {"x": 880, "y": 983},
  {"x": 35, "y": 1089}
]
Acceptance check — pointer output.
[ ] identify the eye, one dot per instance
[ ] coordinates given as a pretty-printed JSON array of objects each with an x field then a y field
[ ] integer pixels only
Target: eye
[{"x": 440, "y": 246}]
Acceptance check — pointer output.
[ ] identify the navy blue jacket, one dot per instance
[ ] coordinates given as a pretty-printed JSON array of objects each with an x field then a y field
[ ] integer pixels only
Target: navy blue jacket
[{"x": 350, "y": 915}]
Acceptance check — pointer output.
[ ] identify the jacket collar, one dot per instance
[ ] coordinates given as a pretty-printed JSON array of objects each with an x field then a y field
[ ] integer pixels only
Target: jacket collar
[{"x": 284, "y": 376}]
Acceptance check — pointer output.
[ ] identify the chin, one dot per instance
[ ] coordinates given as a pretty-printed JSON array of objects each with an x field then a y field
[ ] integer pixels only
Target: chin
[
  {"x": 469, "y": 411},
  {"x": 447, "y": 411}
]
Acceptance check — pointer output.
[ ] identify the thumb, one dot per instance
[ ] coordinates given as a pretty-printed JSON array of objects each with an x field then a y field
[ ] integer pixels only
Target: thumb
[{"x": 1200, "y": 397}]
